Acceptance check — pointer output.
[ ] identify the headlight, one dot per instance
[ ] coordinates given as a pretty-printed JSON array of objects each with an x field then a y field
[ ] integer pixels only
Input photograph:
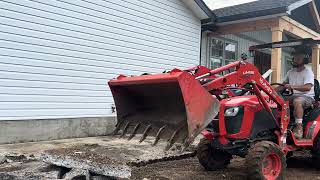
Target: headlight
[{"x": 233, "y": 111}]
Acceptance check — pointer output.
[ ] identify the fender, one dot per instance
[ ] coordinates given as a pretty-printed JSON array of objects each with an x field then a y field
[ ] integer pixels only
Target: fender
[
  {"x": 207, "y": 134},
  {"x": 312, "y": 128}
]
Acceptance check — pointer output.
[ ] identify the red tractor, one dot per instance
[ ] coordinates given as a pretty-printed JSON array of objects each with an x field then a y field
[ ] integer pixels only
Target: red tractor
[{"x": 237, "y": 111}]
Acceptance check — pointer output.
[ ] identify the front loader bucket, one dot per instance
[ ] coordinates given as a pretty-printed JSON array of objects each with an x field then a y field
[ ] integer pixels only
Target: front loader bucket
[{"x": 171, "y": 106}]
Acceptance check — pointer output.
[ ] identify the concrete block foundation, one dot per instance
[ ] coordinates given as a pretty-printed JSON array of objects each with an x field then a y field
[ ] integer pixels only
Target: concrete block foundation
[{"x": 17, "y": 131}]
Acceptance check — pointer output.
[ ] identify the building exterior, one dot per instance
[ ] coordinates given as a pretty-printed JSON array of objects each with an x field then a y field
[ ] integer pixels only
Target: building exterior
[
  {"x": 57, "y": 56},
  {"x": 258, "y": 22}
]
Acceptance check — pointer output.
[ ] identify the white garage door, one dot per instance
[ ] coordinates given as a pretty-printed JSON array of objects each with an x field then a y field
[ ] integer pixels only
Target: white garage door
[{"x": 56, "y": 56}]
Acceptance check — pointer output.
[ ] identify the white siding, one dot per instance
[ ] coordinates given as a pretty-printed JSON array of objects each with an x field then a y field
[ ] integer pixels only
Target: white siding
[
  {"x": 56, "y": 56},
  {"x": 244, "y": 41},
  {"x": 257, "y": 37}
]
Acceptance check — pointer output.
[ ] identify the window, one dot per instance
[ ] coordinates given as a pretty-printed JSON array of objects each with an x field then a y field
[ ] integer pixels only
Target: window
[{"x": 222, "y": 52}]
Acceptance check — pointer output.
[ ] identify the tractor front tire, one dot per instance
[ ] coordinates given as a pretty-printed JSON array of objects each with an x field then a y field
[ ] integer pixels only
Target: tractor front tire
[
  {"x": 265, "y": 160},
  {"x": 210, "y": 158}
]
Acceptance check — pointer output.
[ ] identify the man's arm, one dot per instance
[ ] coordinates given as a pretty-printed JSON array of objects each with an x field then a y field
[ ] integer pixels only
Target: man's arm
[{"x": 302, "y": 88}]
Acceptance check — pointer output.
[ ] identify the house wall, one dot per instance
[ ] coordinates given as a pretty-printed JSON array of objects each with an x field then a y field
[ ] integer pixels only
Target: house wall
[
  {"x": 57, "y": 56},
  {"x": 244, "y": 41}
]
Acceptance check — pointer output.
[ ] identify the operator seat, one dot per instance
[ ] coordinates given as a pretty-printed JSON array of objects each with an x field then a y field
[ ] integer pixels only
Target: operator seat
[
  {"x": 316, "y": 90},
  {"x": 316, "y": 103},
  {"x": 312, "y": 112}
]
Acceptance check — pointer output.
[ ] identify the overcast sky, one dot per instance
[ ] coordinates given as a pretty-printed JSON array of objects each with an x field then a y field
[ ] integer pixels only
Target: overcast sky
[{"x": 216, "y": 4}]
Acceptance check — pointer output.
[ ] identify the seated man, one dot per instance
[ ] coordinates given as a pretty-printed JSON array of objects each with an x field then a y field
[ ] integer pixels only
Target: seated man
[{"x": 301, "y": 80}]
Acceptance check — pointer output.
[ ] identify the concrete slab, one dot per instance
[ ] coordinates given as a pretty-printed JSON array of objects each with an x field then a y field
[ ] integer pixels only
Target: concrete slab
[
  {"x": 30, "y": 130},
  {"x": 115, "y": 157}
]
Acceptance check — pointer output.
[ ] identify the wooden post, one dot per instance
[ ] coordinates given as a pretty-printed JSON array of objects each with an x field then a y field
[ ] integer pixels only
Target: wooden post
[
  {"x": 315, "y": 61},
  {"x": 276, "y": 55}
]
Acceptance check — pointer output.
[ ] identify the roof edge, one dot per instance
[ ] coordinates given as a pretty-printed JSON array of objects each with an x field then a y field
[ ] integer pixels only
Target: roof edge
[
  {"x": 296, "y": 5},
  {"x": 251, "y": 19},
  {"x": 249, "y": 15}
]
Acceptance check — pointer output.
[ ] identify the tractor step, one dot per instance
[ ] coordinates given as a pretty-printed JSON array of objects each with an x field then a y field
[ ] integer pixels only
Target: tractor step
[{"x": 302, "y": 142}]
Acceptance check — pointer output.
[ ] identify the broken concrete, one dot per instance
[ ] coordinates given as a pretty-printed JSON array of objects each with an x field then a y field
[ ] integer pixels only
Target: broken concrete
[
  {"x": 21, "y": 160},
  {"x": 27, "y": 170},
  {"x": 3, "y": 159},
  {"x": 115, "y": 158}
]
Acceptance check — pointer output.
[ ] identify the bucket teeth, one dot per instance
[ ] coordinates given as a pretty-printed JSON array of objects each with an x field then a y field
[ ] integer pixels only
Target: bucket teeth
[
  {"x": 117, "y": 128},
  {"x": 134, "y": 131},
  {"x": 125, "y": 129},
  {"x": 186, "y": 143},
  {"x": 171, "y": 140},
  {"x": 158, "y": 135},
  {"x": 145, "y": 133}
]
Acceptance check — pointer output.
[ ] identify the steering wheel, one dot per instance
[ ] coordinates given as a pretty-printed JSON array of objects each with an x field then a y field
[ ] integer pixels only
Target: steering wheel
[{"x": 284, "y": 91}]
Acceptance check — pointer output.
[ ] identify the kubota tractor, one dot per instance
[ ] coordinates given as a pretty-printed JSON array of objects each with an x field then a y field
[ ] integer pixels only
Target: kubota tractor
[{"x": 237, "y": 111}]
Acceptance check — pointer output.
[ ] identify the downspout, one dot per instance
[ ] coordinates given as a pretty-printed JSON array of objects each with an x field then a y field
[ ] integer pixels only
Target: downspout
[{"x": 206, "y": 24}]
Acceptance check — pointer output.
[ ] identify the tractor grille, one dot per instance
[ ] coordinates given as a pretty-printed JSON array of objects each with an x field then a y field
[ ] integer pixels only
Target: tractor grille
[
  {"x": 215, "y": 125},
  {"x": 233, "y": 124}
]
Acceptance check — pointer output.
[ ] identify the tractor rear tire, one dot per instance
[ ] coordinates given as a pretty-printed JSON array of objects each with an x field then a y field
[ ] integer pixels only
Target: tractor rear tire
[
  {"x": 210, "y": 158},
  {"x": 265, "y": 160},
  {"x": 315, "y": 151}
]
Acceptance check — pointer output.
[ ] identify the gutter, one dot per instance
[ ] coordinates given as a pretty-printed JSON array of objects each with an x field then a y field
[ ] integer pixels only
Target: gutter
[{"x": 208, "y": 24}]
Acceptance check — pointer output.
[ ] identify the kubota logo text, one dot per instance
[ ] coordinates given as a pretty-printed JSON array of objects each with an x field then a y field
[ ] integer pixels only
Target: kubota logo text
[
  {"x": 265, "y": 85},
  {"x": 248, "y": 73}
]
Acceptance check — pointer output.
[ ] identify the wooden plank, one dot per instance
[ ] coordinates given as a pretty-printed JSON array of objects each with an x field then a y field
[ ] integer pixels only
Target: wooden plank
[
  {"x": 246, "y": 26},
  {"x": 296, "y": 29},
  {"x": 276, "y": 56},
  {"x": 315, "y": 14},
  {"x": 315, "y": 61}
]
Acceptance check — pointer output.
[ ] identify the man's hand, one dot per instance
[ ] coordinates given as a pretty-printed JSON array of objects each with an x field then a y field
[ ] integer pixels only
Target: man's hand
[
  {"x": 278, "y": 88},
  {"x": 288, "y": 86}
]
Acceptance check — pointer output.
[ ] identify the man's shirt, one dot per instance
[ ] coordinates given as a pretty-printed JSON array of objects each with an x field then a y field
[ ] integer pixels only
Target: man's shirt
[{"x": 295, "y": 78}]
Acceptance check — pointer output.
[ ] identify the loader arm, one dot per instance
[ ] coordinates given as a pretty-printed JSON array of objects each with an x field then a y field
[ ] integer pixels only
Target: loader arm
[
  {"x": 242, "y": 73},
  {"x": 176, "y": 106}
]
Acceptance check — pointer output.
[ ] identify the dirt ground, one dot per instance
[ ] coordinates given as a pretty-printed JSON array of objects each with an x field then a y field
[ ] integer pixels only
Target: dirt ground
[
  {"x": 299, "y": 168},
  {"x": 24, "y": 167}
]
